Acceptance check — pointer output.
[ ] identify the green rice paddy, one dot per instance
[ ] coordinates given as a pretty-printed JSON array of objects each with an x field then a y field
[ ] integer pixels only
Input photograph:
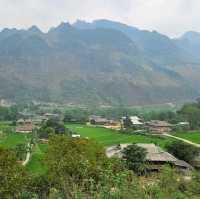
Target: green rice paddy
[
  {"x": 191, "y": 136},
  {"x": 108, "y": 137}
]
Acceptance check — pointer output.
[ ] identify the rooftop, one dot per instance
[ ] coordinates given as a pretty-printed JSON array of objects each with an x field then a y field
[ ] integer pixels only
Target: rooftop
[
  {"x": 158, "y": 123},
  {"x": 154, "y": 154}
]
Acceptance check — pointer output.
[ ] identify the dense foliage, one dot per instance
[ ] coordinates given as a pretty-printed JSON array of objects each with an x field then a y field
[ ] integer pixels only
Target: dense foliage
[
  {"x": 183, "y": 151},
  {"x": 12, "y": 176},
  {"x": 9, "y": 114},
  {"x": 135, "y": 158},
  {"x": 79, "y": 169},
  {"x": 50, "y": 127},
  {"x": 191, "y": 112}
]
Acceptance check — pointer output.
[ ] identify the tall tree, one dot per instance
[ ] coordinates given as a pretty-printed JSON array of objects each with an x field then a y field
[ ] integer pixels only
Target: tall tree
[
  {"x": 70, "y": 161},
  {"x": 13, "y": 177},
  {"x": 135, "y": 158},
  {"x": 183, "y": 151}
]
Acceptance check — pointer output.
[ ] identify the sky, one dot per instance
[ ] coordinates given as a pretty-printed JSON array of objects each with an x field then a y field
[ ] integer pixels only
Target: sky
[{"x": 170, "y": 17}]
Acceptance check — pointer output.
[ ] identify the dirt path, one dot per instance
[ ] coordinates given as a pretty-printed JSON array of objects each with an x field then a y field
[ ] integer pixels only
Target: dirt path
[
  {"x": 182, "y": 139},
  {"x": 28, "y": 155}
]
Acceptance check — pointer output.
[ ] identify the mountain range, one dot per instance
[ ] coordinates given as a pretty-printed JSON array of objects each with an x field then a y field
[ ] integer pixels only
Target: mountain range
[{"x": 101, "y": 63}]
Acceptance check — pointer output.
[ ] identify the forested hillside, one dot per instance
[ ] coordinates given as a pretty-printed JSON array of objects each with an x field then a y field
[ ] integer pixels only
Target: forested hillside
[{"x": 102, "y": 62}]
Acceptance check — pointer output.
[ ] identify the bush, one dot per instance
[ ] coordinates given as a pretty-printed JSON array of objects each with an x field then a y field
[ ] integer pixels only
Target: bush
[
  {"x": 135, "y": 158},
  {"x": 183, "y": 151}
]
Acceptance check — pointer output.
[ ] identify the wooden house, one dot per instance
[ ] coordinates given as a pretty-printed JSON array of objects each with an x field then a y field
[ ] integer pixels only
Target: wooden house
[
  {"x": 98, "y": 120},
  {"x": 155, "y": 158},
  {"x": 159, "y": 127},
  {"x": 25, "y": 126}
]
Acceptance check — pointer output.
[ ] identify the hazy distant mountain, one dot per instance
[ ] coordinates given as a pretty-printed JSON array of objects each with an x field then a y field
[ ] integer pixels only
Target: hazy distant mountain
[
  {"x": 103, "y": 62},
  {"x": 190, "y": 42},
  {"x": 156, "y": 46}
]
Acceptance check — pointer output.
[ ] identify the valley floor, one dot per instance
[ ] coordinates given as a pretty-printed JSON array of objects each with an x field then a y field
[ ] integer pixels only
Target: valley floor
[{"x": 106, "y": 137}]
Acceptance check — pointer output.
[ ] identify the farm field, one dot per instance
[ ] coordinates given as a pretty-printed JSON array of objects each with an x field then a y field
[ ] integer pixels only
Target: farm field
[
  {"x": 5, "y": 124},
  {"x": 191, "y": 136},
  {"x": 108, "y": 137},
  {"x": 13, "y": 139},
  {"x": 36, "y": 166}
]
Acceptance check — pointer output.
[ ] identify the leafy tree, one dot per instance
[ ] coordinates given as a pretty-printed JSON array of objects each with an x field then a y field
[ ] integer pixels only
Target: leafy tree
[
  {"x": 135, "y": 158},
  {"x": 57, "y": 125},
  {"x": 70, "y": 161},
  {"x": 183, "y": 151},
  {"x": 75, "y": 116},
  {"x": 9, "y": 113},
  {"x": 40, "y": 186},
  {"x": 52, "y": 126},
  {"x": 13, "y": 178},
  {"x": 191, "y": 112}
]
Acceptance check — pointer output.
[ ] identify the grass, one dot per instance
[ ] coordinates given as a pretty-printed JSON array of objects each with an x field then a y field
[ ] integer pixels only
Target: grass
[
  {"x": 191, "y": 136},
  {"x": 108, "y": 137},
  {"x": 13, "y": 139},
  {"x": 36, "y": 166},
  {"x": 5, "y": 123}
]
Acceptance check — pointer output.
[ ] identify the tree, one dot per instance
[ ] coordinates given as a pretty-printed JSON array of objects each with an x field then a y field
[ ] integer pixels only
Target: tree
[
  {"x": 135, "y": 158},
  {"x": 183, "y": 151},
  {"x": 9, "y": 113},
  {"x": 75, "y": 116},
  {"x": 127, "y": 122},
  {"x": 40, "y": 186},
  {"x": 191, "y": 112},
  {"x": 13, "y": 177},
  {"x": 51, "y": 127},
  {"x": 57, "y": 125},
  {"x": 73, "y": 161}
]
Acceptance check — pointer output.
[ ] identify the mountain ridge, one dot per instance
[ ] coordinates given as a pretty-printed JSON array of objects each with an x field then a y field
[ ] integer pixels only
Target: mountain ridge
[{"x": 102, "y": 62}]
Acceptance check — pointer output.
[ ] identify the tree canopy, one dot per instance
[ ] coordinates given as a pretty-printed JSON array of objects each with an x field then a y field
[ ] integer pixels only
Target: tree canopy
[
  {"x": 183, "y": 151},
  {"x": 13, "y": 177},
  {"x": 135, "y": 158}
]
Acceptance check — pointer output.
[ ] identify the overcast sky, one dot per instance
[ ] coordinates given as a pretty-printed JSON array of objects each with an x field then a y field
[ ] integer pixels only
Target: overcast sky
[{"x": 171, "y": 17}]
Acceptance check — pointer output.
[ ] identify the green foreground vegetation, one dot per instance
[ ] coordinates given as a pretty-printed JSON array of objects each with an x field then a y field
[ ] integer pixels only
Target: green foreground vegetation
[
  {"x": 53, "y": 172},
  {"x": 88, "y": 173}
]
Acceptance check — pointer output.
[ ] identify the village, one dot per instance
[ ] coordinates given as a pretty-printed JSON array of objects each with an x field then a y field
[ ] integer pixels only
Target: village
[
  {"x": 129, "y": 125},
  {"x": 144, "y": 144}
]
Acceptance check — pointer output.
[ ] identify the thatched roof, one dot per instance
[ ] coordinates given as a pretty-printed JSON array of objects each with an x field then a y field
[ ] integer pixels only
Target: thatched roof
[
  {"x": 98, "y": 119},
  {"x": 158, "y": 123},
  {"x": 25, "y": 128},
  {"x": 154, "y": 154}
]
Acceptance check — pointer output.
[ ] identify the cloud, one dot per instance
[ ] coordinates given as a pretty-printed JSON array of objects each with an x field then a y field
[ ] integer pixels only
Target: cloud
[{"x": 172, "y": 17}]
